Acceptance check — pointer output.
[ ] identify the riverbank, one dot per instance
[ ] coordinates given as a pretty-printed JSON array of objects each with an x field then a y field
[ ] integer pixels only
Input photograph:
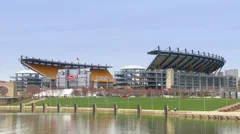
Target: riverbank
[
  {"x": 207, "y": 115},
  {"x": 155, "y": 103}
]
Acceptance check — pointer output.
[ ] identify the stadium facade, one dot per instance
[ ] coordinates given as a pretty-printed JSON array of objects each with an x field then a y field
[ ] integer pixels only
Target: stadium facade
[
  {"x": 170, "y": 69},
  {"x": 176, "y": 69}
]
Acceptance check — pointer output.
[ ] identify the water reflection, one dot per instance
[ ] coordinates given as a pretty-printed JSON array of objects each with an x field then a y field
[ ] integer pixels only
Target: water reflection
[{"x": 86, "y": 123}]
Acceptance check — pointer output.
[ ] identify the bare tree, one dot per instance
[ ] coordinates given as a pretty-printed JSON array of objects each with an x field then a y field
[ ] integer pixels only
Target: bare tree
[
  {"x": 126, "y": 92},
  {"x": 32, "y": 89},
  {"x": 76, "y": 92},
  {"x": 149, "y": 92},
  {"x": 85, "y": 91},
  {"x": 3, "y": 90}
]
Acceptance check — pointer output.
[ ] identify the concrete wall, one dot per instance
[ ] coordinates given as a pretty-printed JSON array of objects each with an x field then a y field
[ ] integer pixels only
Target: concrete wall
[{"x": 11, "y": 88}]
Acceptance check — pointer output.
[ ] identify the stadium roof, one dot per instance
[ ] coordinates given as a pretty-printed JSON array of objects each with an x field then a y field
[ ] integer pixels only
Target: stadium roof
[
  {"x": 133, "y": 67},
  {"x": 49, "y": 68},
  {"x": 60, "y": 64},
  {"x": 185, "y": 60}
]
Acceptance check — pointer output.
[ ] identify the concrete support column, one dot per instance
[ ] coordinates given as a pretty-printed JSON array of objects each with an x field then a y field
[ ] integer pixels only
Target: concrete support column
[
  {"x": 67, "y": 82},
  {"x": 206, "y": 82},
  {"x": 213, "y": 83},
  {"x": 220, "y": 83},
  {"x": 156, "y": 78},
  {"x": 161, "y": 80},
  {"x": 185, "y": 82},
  {"x": 200, "y": 82},
  {"x": 179, "y": 82},
  {"x": 192, "y": 83}
]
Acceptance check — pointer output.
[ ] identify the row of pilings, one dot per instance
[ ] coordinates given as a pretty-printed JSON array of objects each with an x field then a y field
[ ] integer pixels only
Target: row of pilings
[
  {"x": 75, "y": 108},
  {"x": 187, "y": 115}
]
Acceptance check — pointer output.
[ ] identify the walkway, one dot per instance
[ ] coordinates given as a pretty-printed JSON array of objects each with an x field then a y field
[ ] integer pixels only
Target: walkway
[
  {"x": 34, "y": 101},
  {"x": 230, "y": 108}
]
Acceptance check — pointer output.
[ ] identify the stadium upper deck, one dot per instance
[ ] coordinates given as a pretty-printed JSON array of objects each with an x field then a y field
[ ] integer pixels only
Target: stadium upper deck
[
  {"x": 186, "y": 61},
  {"x": 49, "y": 68}
]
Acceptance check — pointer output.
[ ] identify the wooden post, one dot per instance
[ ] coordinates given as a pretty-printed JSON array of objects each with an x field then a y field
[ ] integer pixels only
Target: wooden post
[
  {"x": 21, "y": 107},
  {"x": 166, "y": 110},
  {"x": 94, "y": 108},
  {"x": 139, "y": 110},
  {"x": 44, "y": 107},
  {"x": 75, "y": 108},
  {"x": 58, "y": 108},
  {"x": 33, "y": 107},
  {"x": 115, "y": 108}
]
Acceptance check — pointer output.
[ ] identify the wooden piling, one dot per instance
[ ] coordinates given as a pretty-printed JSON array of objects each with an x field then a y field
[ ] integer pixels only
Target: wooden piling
[
  {"x": 139, "y": 110},
  {"x": 75, "y": 108},
  {"x": 44, "y": 107},
  {"x": 58, "y": 108},
  {"x": 166, "y": 109},
  {"x": 21, "y": 107},
  {"x": 33, "y": 107},
  {"x": 209, "y": 117},
  {"x": 94, "y": 108},
  {"x": 115, "y": 108},
  {"x": 237, "y": 118},
  {"x": 200, "y": 117}
]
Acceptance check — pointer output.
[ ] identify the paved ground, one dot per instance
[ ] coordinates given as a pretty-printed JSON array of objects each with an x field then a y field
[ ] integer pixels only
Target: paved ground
[
  {"x": 34, "y": 101},
  {"x": 229, "y": 107}
]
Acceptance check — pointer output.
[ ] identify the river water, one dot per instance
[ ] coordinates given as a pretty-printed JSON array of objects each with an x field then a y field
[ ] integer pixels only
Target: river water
[{"x": 86, "y": 123}]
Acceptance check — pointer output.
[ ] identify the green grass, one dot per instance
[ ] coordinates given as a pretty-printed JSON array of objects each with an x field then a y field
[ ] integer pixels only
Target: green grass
[{"x": 196, "y": 104}]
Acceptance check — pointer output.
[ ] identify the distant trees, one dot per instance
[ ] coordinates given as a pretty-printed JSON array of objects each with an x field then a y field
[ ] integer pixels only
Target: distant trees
[
  {"x": 119, "y": 92},
  {"x": 76, "y": 92},
  {"x": 3, "y": 90}
]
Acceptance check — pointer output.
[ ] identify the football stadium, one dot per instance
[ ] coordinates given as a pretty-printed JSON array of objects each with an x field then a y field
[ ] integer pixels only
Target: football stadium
[{"x": 179, "y": 69}]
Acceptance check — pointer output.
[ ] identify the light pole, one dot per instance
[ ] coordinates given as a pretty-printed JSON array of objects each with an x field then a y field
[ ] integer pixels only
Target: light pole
[{"x": 204, "y": 104}]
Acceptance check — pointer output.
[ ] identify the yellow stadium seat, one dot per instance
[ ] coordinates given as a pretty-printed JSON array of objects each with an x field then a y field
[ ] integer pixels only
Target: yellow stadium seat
[
  {"x": 47, "y": 71},
  {"x": 98, "y": 75},
  {"x": 101, "y": 75}
]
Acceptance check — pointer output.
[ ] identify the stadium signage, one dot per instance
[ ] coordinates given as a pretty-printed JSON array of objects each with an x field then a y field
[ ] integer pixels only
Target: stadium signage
[{"x": 71, "y": 77}]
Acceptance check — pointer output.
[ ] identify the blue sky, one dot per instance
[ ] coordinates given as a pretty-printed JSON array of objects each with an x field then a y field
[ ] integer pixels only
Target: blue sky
[{"x": 116, "y": 33}]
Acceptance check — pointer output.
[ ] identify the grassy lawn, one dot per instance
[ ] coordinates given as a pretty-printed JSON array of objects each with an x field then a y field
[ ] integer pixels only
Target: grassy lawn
[{"x": 146, "y": 103}]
